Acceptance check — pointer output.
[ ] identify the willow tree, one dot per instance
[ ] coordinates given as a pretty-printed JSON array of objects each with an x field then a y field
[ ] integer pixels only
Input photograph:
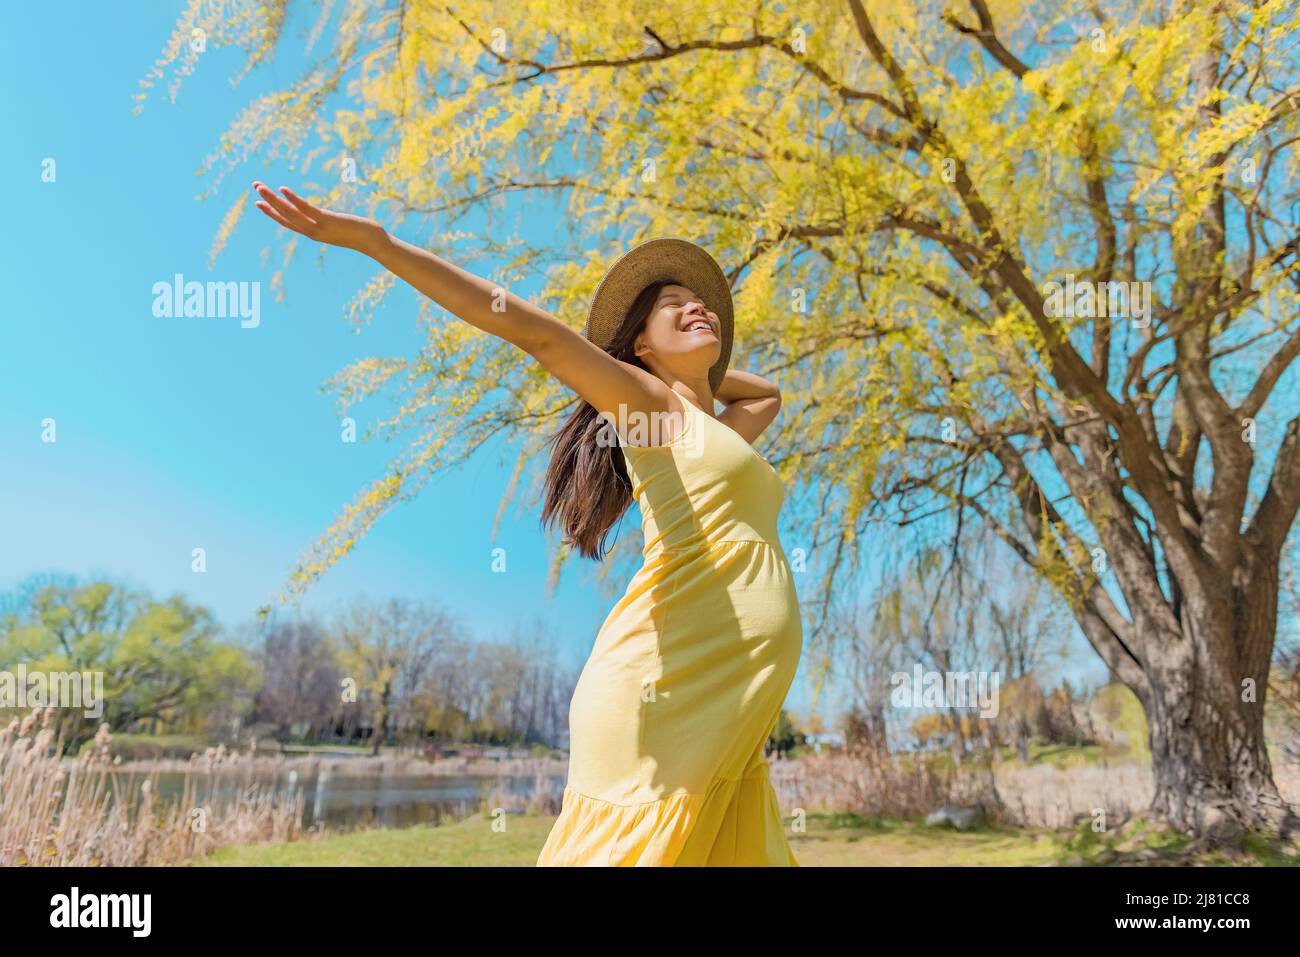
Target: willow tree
[{"x": 1012, "y": 266}]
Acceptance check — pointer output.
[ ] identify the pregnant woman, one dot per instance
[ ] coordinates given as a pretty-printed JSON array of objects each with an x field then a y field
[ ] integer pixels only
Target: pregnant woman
[{"x": 688, "y": 673}]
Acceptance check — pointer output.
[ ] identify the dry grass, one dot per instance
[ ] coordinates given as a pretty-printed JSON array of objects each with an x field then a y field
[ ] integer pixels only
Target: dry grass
[
  {"x": 874, "y": 783},
  {"x": 1043, "y": 795},
  {"x": 545, "y": 797},
  {"x": 1038, "y": 795},
  {"x": 91, "y": 811},
  {"x": 85, "y": 812}
]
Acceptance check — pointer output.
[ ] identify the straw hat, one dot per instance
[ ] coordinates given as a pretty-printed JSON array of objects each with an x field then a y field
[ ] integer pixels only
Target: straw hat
[{"x": 677, "y": 259}]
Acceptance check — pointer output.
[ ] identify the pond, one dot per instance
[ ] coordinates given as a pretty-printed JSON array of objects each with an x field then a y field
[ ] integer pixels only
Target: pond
[{"x": 355, "y": 800}]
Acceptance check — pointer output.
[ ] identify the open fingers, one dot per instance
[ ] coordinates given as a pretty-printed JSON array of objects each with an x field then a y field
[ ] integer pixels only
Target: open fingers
[
  {"x": 306, "y": 208},
  {"x": 266, "y": 208},
  {"x": 289, "y": 214}
]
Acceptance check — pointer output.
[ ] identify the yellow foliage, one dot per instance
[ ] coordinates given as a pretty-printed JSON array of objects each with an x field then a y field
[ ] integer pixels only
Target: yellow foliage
[{"x": 873, "y": 221}]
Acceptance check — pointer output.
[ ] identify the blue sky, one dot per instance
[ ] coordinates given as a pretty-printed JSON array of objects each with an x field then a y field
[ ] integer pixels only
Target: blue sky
[{"x": 178, "y": 433}]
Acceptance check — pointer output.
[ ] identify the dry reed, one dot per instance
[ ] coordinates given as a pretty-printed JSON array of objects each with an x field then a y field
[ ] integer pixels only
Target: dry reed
[
  {"x": 875, "y": 784},
  {"x": 86, "y": 812}
]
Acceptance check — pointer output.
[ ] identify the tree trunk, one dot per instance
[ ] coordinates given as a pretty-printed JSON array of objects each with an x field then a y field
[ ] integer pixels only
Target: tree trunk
[
  {"x": 381, "y": 726},
  {"x": 1205, "y": 712},
  {"x": 1212, "y": 773}
]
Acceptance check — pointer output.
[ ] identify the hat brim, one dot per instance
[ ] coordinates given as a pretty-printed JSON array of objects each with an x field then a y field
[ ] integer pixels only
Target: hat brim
[{"x": 655, "y": 261}]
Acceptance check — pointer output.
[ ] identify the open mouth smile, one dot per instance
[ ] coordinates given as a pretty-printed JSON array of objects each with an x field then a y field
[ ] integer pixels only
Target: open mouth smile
[{"x": 696, "y": 325}]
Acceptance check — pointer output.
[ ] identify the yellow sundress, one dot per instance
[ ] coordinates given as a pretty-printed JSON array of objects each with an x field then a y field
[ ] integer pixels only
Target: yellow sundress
[{"x": 689, "y": 671}]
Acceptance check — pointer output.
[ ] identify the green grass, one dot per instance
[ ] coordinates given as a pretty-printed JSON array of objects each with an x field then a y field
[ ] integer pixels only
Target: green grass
[
  {"x": 139, "y": 747},
  {"x": 847, "y": 840},
  {"x": 325, "y": 748},
  {"x": 1141, "y": 842},
  {"x": 469, "y": 842},
  {"x": 1065, "y": 756},
  {"x": 830, "y": 840}
]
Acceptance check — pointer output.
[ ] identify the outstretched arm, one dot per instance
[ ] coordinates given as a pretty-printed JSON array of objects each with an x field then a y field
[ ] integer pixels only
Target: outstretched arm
[
  {"x": 580, "y": 364},
  {"x": 752, "y": 402}
]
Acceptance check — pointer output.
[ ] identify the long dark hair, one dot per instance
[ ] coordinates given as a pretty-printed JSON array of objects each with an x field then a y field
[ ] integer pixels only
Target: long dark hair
[{"x": 587, "y": 487}]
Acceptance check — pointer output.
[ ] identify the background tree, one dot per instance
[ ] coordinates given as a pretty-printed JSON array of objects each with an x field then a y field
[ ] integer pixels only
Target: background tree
[
  {"x": 893, "y": 191},
  {"x": 931, "y": 623},
  {"x": 163, "y": 662},
  {"x": 1027, "y": 631},
  {"x": 301, "y": 689},
  {"x": 786, "y": 736},
  {"x": 385, "y": 648}
]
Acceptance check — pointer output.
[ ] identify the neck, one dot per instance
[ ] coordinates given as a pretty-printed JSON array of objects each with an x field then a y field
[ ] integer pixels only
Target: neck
[{"x": 693, "y": 388}]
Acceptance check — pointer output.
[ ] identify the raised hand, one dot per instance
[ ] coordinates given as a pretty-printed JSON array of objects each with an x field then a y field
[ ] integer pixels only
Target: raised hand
[
  {"x": 602, "y": 380},
  {"x": 337, "y": 229}
]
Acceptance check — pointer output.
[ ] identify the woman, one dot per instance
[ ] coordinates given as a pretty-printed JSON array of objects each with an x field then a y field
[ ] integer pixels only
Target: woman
[{"x": 688, "y": 673}]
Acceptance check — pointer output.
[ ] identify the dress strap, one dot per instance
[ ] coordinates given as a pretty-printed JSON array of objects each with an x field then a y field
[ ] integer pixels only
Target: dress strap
[
  {"x": 688, "y": 403},
  {"x": 687, "y": 428},
  {"x": 687, "y": 424}
]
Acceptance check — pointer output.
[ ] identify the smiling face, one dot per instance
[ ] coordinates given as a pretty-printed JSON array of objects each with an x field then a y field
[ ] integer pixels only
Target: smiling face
[{"x": 682, "y": 337}]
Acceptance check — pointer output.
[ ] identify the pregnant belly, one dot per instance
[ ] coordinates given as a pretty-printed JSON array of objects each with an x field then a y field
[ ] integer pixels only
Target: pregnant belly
[
  {"x": 726, "y": 658},
  {"x": 687, "y": 677},
  {"x": 741, "y": 603}
]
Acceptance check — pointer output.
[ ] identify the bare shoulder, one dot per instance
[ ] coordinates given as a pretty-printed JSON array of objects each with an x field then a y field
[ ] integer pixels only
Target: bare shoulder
[
  {"x": 750, "y": 417},
  {"x": 648, "y": 393},
  {"x": 654, "y": 416}
]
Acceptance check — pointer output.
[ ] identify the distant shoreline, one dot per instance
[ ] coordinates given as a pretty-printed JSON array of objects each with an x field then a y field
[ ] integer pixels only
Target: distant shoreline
[{"x": 361, "y": 765}]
